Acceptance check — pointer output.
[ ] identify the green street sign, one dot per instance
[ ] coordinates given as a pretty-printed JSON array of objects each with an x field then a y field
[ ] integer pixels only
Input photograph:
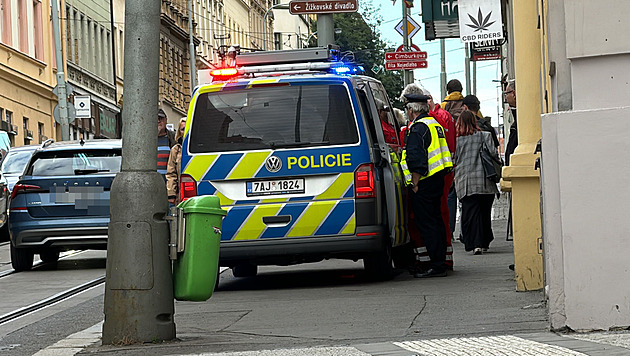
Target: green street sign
[
  {"x": 439, "y": 10},
  {"x": 440, "y": 18}
]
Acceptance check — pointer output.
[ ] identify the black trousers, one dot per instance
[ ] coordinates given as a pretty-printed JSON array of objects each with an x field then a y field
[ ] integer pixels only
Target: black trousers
[
  {"x": 477, "y": 221},
  {"x": 427, "y": 215}
]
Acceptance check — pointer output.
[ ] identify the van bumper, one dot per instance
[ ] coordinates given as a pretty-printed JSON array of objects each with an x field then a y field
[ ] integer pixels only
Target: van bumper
[{"x": 294, "y": 250}]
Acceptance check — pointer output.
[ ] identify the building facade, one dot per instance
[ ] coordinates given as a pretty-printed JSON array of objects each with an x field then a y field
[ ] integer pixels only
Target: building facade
[
  {"x": 90, "y": 61},
  {"x": 289, "y": 31},
  {"x": 27, "y": 71}
]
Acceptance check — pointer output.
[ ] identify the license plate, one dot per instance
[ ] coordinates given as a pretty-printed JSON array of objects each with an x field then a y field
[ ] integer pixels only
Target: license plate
[{"x": 280, "y": 186}]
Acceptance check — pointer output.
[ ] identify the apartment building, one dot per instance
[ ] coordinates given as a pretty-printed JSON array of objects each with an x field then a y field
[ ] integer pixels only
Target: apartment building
[
  {"x": 27, "y": 71},
  {"x": 89, "y": 53}
]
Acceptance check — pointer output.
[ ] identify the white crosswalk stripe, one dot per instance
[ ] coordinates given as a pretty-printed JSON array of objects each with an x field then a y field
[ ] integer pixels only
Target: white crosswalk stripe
[{"x": 485, "y": 346}]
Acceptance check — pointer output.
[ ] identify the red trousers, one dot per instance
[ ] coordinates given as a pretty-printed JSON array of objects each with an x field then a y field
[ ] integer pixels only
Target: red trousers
[{"x": 420, "y": 251}]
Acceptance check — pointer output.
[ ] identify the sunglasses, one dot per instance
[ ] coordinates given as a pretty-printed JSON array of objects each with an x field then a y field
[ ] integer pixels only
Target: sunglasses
[{"x": 508, "y": 92}]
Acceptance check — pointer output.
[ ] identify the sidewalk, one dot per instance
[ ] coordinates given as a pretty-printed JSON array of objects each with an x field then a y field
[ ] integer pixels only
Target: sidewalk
[{"x": 504, "y": 331}]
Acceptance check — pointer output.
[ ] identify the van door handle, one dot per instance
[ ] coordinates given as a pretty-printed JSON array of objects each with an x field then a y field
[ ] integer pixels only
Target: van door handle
[{"x": 277, "y": 221}]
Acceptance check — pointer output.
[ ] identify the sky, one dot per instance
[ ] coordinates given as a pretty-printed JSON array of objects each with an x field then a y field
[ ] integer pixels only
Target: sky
[{"x": 488, "y": 92}]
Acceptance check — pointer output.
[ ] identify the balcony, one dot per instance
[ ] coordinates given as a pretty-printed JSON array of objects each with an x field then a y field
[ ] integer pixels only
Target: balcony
[{"x": 28, "y": 134}]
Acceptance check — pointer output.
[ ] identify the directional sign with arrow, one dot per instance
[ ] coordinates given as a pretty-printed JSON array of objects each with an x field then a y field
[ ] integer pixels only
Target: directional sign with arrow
[{"x": 322, "y": 7}]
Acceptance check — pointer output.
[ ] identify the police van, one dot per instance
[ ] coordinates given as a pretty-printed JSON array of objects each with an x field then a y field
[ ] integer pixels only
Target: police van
[{"x": 294, "y": 144}]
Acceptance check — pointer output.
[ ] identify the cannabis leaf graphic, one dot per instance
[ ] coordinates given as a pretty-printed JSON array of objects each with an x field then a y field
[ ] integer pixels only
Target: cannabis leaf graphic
[{"x": 480, "y": 23}]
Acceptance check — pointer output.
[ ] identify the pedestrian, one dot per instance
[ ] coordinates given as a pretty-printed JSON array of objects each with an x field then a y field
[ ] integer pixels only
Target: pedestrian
[
  {"x": 425, "y": 161},
  {"x": 445, "y": 120},
  {"x": 474, "y": 191},
  {"x": 173, "y": 169},
  {"x": 454, "y": 104},
  {"x": 510, "y": 98},
  {"x": 471, "y": 103},
  {"x": 389, "y": 131},
  {"x": 166, "y": 140}
]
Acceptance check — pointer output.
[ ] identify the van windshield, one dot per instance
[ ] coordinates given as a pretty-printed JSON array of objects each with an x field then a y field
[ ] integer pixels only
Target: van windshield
[{"x": 271, "y": 117}]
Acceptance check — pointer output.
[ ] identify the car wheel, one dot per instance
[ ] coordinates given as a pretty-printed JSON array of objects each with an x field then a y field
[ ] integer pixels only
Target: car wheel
[
  {"x": 49, "y": 256},
  {"x": 379, "y": 265},
  {"x": 21, "y": 259},
  {"x": 245, "y": 270},
  {"x": 4, "y": 232}
]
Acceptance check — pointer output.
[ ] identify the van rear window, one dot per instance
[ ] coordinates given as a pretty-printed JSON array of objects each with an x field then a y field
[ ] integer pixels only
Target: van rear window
[{"x": 273, "y": 117}]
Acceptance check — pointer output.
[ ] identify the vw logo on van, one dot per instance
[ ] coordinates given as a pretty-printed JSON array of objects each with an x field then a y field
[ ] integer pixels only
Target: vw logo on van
[{"x": 273, "y": 164}]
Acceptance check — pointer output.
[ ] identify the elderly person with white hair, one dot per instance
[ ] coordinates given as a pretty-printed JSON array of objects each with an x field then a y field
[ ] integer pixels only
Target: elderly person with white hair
[{"x": 425, "y": 162}]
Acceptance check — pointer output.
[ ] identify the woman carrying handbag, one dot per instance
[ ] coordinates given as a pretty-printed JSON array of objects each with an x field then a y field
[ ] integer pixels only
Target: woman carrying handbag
[{"x": 474, "y": 190}]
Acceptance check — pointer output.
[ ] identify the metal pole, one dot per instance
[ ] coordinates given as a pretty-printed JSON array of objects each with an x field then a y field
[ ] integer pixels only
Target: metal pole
[
  {"x": 193, "y": 55},
  {"x": 139, "y": 303},
  {"x": 443, "y": 65},
  {"x": 62, "y": 95},
  {"x": 325, "y": 30},
  {"x": 474, "y": 77},
  {"x": 468, "y": 90},
  {"x": 405, "y": 36}
]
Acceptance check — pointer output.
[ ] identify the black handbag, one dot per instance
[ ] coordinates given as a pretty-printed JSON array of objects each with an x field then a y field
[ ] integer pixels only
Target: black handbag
[{"x": 491, "y": 167}]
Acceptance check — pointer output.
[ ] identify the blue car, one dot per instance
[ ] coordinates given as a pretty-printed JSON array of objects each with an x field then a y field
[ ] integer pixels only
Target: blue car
[{"x": 61, "y": 201}]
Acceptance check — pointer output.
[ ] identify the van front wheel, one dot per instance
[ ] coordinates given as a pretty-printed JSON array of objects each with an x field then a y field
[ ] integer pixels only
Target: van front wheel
[{"x": 379, "y": 264}]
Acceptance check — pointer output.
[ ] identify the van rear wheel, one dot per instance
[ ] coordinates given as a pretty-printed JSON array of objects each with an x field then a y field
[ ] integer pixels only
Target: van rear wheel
[
  {"x": 245, "y": 270},
  {"x": 379, "y": 264}
]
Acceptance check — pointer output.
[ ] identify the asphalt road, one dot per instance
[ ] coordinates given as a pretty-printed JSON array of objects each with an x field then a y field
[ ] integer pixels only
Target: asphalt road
[{"x": 331, "y": 303}]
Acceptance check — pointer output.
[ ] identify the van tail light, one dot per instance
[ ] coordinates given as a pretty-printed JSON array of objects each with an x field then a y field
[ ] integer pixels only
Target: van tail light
[
  {"x": 187, "y": 187},
  {"x": 24, "y": 188},
  {"x": 364, "y": 181}
]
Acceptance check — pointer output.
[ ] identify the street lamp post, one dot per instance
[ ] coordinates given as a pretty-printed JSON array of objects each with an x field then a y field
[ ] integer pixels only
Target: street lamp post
[{"x": 276, "y": 6}]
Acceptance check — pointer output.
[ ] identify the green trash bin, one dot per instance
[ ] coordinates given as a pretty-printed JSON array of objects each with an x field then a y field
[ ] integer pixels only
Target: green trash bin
[{"x": 195, "y": 270}]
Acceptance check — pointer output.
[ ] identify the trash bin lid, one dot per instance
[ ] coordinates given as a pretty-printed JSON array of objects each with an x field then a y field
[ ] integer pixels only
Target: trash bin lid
[{"x": 207, "y": 204}]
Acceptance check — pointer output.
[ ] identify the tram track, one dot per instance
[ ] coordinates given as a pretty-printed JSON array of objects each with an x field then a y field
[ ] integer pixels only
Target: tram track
[
  {"x": 67, "y": 294},
  {"x": 39, "y": 263},
  {"x": 56, "y": 298}
]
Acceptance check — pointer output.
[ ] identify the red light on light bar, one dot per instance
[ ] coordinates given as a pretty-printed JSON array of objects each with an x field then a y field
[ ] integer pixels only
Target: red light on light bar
[{"x": 225, "y": 72}]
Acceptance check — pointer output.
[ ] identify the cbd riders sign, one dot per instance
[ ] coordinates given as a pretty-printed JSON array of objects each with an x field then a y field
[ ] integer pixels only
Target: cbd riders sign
[{"x": 480, "y": 20}]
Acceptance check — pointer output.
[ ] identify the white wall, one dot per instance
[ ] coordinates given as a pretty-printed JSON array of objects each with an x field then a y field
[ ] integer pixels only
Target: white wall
[{"x": 586, "y": 224}]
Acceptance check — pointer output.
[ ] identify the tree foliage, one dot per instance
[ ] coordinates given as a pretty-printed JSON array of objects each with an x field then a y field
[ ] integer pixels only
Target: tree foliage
[{"x": 360, "y": 36}]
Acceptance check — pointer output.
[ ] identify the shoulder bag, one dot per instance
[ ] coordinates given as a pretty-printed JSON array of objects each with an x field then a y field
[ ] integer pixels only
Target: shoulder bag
[{"x": 491, "y": 166}]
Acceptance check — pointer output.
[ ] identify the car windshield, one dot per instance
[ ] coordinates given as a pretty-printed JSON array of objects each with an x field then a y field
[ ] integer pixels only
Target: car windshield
[
  {"x": 67, "y": 163},
  {"x": 270, "y": 117},
  {"x": 15, "y": 162}
]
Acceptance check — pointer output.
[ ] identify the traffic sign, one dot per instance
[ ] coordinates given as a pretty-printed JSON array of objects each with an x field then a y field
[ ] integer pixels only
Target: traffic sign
[
  {"x": 405, "y": 56},
  {"x": 412, "y": 27},
  {"x": 72, "y": 113},
  {"x": 83, "y": 106},
  {"x": 322, "y": 7},
  {"x": 400, "y": 65}
]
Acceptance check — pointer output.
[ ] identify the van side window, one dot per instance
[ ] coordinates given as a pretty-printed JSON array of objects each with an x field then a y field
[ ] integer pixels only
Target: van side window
[
  {"x": 367, "y": 115},
  {"x": 386, "y": 116}
]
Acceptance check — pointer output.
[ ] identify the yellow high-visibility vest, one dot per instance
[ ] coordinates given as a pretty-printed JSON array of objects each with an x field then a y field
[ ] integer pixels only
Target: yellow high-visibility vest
[{"x": 438, "y": 153}]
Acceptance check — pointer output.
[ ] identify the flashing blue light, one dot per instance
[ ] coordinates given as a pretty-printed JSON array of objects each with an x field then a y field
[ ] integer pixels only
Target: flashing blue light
[{"x": 342, "y": 70}]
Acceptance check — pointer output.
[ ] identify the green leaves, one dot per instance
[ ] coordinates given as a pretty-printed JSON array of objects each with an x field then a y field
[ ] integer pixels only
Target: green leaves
[{"x": 481, "y": 23}]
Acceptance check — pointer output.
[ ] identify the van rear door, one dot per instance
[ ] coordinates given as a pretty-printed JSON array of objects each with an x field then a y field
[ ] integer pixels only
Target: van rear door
[
  {"x": 281, "y": 156},
  {"x": 377, "y": 108}
]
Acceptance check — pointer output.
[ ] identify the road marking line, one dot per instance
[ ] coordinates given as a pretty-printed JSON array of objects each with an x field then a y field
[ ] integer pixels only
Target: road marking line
[{"x": 74, "y": 343}]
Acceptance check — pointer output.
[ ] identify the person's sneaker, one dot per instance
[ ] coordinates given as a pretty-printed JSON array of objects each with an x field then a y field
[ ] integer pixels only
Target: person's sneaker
[
  {"x": 430, "y": 273},
  {"x": 477, "y": 251}
]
